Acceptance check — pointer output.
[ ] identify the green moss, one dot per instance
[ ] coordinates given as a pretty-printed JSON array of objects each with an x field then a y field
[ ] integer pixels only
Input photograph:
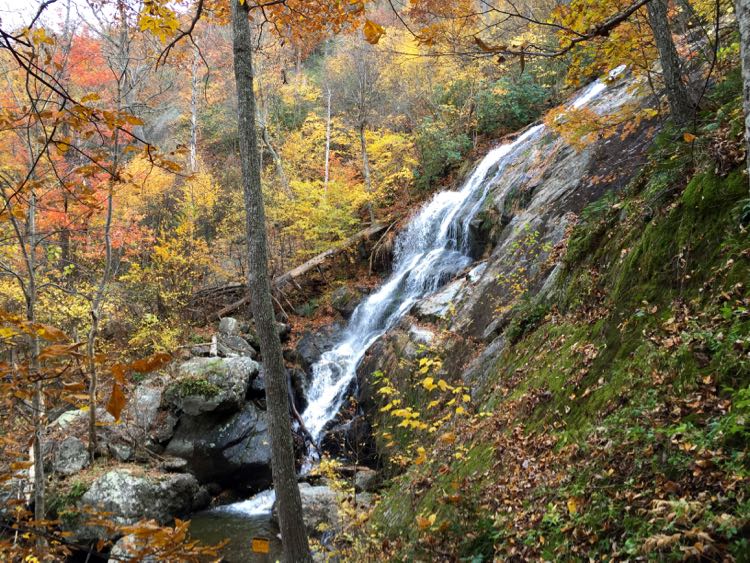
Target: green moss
[{"x": 194, "y": 385}]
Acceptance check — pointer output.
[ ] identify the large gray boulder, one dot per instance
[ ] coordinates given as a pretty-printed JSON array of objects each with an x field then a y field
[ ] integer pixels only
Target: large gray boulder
[
  {"x": 320, "y": 509},
  {"x": 206, "y": 385},
  {"x": 231, "y": 449},
  {"x": 71, "y": 456},
  {"x": 128, "y": 498}
]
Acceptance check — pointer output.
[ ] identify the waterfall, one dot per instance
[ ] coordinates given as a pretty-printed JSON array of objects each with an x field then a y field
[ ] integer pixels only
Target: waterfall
[{"x": 432, "y": 249}]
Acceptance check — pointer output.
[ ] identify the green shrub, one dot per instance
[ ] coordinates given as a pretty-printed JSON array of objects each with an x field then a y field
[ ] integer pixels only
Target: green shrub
[{"x": 509, "y": 104}]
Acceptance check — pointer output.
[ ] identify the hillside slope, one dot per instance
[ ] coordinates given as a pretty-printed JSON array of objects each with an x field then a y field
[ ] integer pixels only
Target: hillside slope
[{"x": 585, "y": 391}]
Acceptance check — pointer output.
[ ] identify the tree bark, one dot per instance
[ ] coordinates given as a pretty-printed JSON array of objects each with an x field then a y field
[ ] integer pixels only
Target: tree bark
[
  {"x": 742, "y": 11},
  {"x": 677, "y": 94},
  {"x": 294, "y": 538},
  {"x": 328, "y": 140},
  {"x": 194, "y": 112},
  {"x": 366, "y": 170}
]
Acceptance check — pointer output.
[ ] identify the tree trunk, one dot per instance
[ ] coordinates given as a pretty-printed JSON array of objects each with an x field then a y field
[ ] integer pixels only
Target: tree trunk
[
  {"x": 294, "y": 538},
  {"x": 677, "y": 93},
  {"x": 328, "y": 140},
  {"x": 366, "y": 170},
  {"x": 194, "y": 113},
  {"x": 742, "y": 11},
  {"x": 37, "y": 404}
]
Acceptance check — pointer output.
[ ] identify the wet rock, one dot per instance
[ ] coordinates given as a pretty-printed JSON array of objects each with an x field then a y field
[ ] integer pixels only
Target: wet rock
[
  {"x": 352, "y": 439},
  {"x": 314, "y": 343},
  {"x": 344, "y": 300},
  {"x": 211, "y": 384},
  {"x": 128, "y": 498},
  {"x": 439, "y": 306},
  {"x": 232, "y": 449},
  {"x": 71, "y": 456}
]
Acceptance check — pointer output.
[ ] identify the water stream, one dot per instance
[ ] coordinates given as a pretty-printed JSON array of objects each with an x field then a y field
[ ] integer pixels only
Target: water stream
[{"x": 430, "y": 251}]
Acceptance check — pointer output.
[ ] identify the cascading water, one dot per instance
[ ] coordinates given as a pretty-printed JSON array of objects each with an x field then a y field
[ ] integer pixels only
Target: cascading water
[{"x": 433, "y": 248}]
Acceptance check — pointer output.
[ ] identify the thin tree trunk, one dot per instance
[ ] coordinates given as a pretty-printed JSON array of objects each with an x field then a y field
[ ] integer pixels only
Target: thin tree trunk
[
  {"x": 38, "y": 400},
  {"x": 96, "y": 310},
  {"x": 294, "y": 538},
  {"x": 677, "y": 94},
  {"x": 366, "y": 170},
  {"x": 194, "y": 112},
  {"x": 742, "y": 11},
  {"x": 328, "y": 140}
]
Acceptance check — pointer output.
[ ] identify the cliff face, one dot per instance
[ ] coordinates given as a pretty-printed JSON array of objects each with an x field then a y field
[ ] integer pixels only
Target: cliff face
[{"x": 598, "y": 355}]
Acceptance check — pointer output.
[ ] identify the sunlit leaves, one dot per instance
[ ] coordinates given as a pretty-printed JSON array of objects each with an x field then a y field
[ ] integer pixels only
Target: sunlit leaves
[{"x": 372, "y": 32}]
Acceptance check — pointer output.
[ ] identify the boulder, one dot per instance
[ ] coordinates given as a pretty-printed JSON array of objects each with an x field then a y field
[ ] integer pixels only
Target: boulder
[
  {"x": 229, "y": 326},
  {"x": 232, "y": 449},
  {"x": 320, "y": 508},
  {"x": 71, "y": 456},
  {"x": 344, "y": 300},
  {"x": 131, "y": 548},
  {"x": 366, "y": 481},
  {"x": 211, "y": 384},
  {"x": 141, "y": 414},
  {"x": 128, "y": 498},
  {"x": 230, "y": 346},
  {"x": 352, "y": 439},
  {"x": 314, "y": 343}
]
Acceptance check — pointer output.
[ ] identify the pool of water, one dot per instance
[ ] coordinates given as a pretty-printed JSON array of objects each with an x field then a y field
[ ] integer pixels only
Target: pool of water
[{"x": 214, "y": 526}]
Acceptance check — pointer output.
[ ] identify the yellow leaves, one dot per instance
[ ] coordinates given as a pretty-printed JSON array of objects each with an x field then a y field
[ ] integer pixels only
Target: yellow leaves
[
  {"x": 157, "y": 18},
  {"x": 443, "y": 385},
  {"x": 373, "y": 32},
  {"x": 572, "y": 505},
  {"x": 424, "y": 522},
  {"x": 429, "y": 383},
  {"x": 448, "y": 438},
  {"x": 466, "y": 398},
  {"x": 421, "y": 456}
]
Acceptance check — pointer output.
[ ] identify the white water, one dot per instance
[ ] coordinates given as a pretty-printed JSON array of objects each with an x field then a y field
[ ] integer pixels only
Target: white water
[
  {"x": 433, "y": 248},
  {"x": 430, "y": 251}
]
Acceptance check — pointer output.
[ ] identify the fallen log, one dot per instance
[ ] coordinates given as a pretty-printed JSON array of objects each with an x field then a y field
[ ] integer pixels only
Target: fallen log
[{"x": 319, "y": 262}]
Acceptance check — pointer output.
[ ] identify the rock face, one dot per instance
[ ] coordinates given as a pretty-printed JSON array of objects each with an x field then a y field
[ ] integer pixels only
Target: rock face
[
  {"x": 71, "y": 457},
  {"x": 344, "y": 300},
  {"x": 232, "y": 449},
  {"x": 212, "y": 384},
  {"x": 519, "y": 233},
  {"x": 129, "y": 498},
  {"x": 313, "y": 343}
]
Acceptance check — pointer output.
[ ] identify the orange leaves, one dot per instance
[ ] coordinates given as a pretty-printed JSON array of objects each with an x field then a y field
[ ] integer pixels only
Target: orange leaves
[
  {"x": 689, "y": 137},
  {"x": 373, "y": 32},
  {"x": 154, "y": 362},
  {"x": 424, "y": 522},
  {"x": 116, "y": 401},
  {"x": 117, "y": 398}
]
